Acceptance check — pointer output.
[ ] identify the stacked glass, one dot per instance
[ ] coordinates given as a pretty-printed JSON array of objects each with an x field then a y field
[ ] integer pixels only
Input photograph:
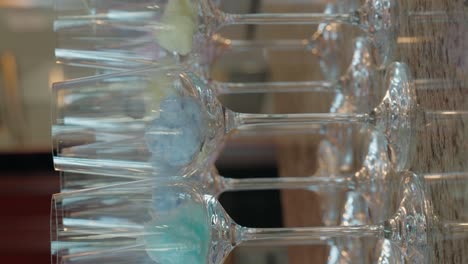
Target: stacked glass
[{"x": 136, "y": 146}]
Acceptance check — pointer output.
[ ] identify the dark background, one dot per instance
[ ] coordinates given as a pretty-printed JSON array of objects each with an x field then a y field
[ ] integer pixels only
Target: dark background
[{"x": 27, "y": 182}]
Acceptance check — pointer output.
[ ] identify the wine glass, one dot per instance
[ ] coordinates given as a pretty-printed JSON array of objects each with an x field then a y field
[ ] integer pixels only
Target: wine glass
[
  {"x": 165, "y": 120},
  {"x": 182, "y": 27},
  {"x": 372, "y": 179},
  {"x": 388, "y": 253},
  {"x": 116, "y": 51},
  {"x": 356, "y": 91},
  {"x": 120, "y": 220},
  {"x": 355, "y": 212},
  {"x": 361, "y": 84},
  {"x": 174, "y": 223},
  {"x": 362, "y": 87},
  {"x": 213, "y": 183}
]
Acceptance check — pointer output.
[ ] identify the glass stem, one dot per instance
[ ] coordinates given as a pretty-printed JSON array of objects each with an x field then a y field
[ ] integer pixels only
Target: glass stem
[
  {"x": 449, "y": 114},
  {"x": 127, "y": 16},
  {"x": 437, "y": 177},
  {"x": 433, "y": 84},
  {"x": 280, "y": 44},
  {"x": 304, "y": 235},
  {"x": 289, "y": 18},
  {"x": 244, "y": 121},
  {"x": 452, "y": 230},
  {"x": 315, "y": 183},
  {"x": 307, "y": 86},
  {"x": 434, "y": 16},
  {"x": 273, "y": 87}
]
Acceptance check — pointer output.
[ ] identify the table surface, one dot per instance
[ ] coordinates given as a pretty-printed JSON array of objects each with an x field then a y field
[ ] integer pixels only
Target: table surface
[{"x": 441, "y": 144}]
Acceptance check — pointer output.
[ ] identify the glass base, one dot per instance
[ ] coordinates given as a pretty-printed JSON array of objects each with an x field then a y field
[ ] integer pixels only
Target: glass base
[
  {"x": 397, "y": 114},
  {"x": 409, "y": 227}
]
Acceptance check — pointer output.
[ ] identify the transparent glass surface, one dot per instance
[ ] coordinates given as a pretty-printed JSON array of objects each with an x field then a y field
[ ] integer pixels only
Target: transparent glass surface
[
  {"x": 371, "y": 175},
  {"x": 355, "y": 211},
  {"x": 175, "y": 223},
  {"x": 70, "y": 181},
  {"x": 116, "y": 33},
  {"x": 137, "y": 223},
  {"x": 326, "y": 176},
  {"x": 139, "y": 122},
  {"x": 168, "y": 121},
  {"x": 112, "y": 33}
]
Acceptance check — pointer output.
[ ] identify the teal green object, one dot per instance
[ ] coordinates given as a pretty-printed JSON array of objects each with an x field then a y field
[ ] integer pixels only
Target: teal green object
[{"x": 180, "y": 235}]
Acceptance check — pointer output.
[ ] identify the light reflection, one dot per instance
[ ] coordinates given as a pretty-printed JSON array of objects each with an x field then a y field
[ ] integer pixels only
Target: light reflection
[
  {"x": 412, "y": 40},
  {"x": 15, "y": 121},
  {"x": 446, "y": 176},
  {"x": 55, "y": 75},
  {"x": 452, "y": 112},
  {"x": 25, "y": 3}
]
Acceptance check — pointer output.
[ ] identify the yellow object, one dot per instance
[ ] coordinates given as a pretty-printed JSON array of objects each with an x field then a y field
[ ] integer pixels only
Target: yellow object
[
  {"x": 180, "y": 22},
  {"x": 161, "y": 86}
]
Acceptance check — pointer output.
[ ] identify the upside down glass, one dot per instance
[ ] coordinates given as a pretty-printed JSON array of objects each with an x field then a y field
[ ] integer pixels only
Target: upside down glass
[
  {"x": 118, "y": 48},
  {"x": 164, "y": 120},
  {"x": 115, "y": 33},
  {"x": 371, "y": 176},
  {"x": 158, "y": 222},
  {"x": 171, "y": 222}
]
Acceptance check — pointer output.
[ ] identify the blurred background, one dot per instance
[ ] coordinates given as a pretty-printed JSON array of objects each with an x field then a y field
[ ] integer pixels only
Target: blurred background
[{"x": 27, "y": 180}]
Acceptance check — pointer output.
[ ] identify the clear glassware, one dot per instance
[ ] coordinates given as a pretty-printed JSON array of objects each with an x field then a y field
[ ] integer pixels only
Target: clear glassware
[
  {"x": 175, "y": 223},
  {"x": 356, "y": 90},
  {"x": 326, "y": 158},
  {"x": 362, "y": 88},
  {"x": 388, "y": 253},
  {"x": 326, "y": 43},
  {"x": 362, "y": 78},
  {"x": 355, "y": 211},
  {"x": 160, "y": 120},
  {"x": 372, "y": 176},
  {"x": 210, "y": 180},
  {"x": 181, "y": 27},
  {"x": 121, "y": 221}
]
